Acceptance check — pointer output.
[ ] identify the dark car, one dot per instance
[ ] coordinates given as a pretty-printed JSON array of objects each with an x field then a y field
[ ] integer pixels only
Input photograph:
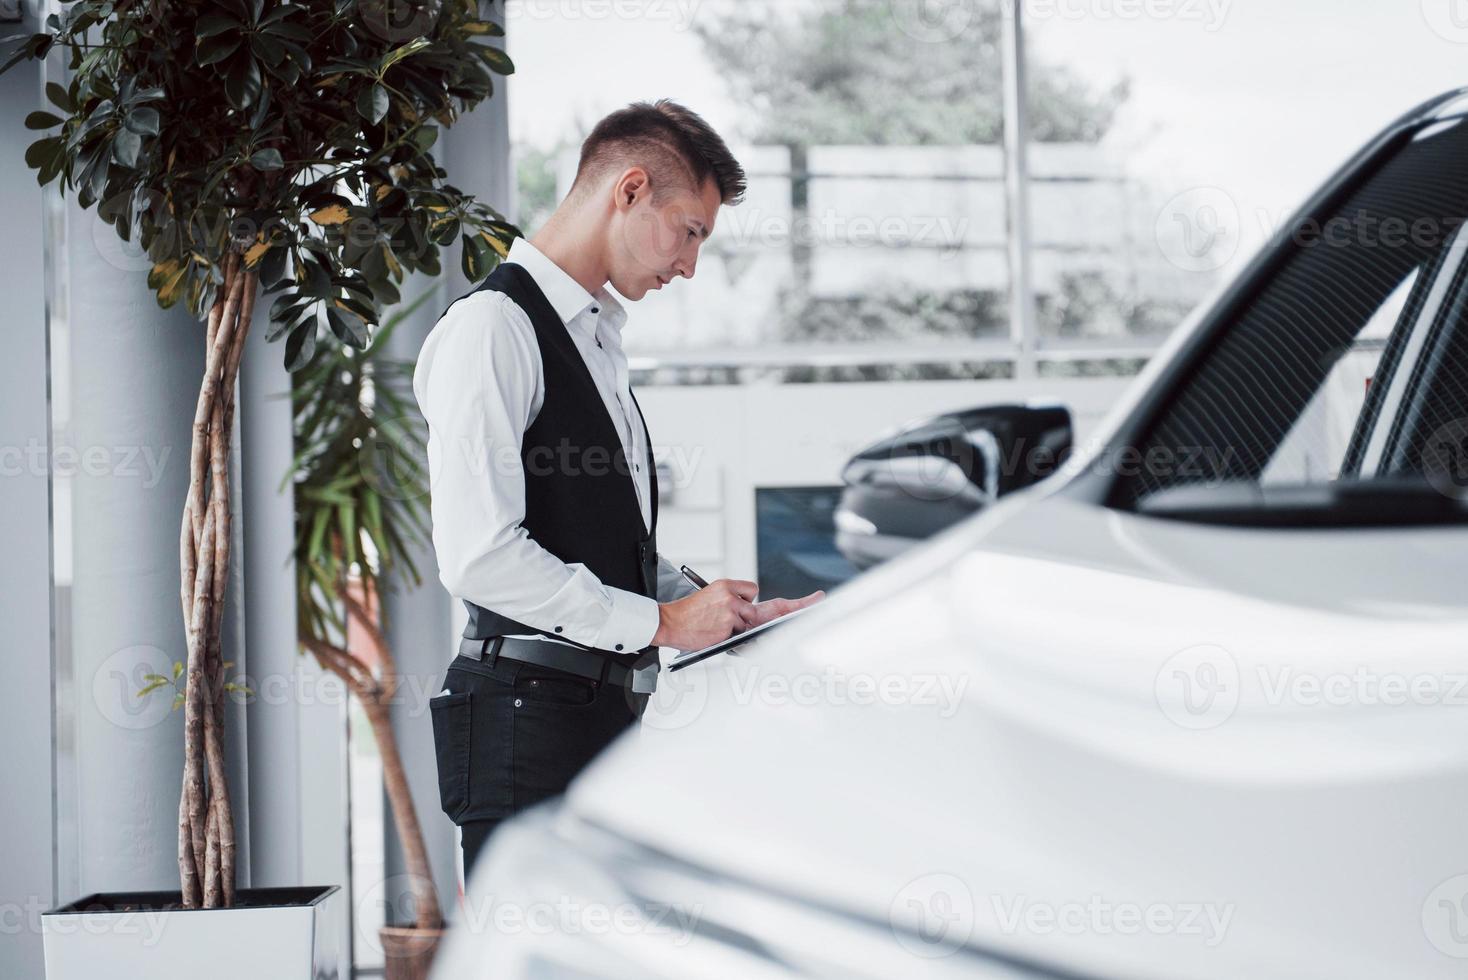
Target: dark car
[{"x": 933, "y": 473}]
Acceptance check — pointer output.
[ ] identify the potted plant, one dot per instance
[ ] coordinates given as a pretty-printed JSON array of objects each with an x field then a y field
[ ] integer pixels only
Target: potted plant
[
  {"x": 256, "y": 147},
  {"x": 361, "y": 486}
]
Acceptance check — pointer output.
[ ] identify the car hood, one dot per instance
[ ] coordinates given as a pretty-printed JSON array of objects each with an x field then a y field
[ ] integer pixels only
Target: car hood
[{"x": 905, "y": 739}]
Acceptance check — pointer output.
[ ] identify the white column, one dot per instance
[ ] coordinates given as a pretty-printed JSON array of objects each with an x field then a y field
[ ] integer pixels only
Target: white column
[
  {"x": 270, "y": 612},
  {"x": 421, "y": 622},
  {"x": 26, "y": 884},
  {"x": 130, "y": 372},
  {"x": 1017, "y": 190}
]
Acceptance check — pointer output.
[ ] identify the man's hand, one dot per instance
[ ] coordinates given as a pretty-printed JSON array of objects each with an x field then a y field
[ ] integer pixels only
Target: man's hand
[
  {"x": 708, "y": 615},
  {"x": 775, "y": 608}
]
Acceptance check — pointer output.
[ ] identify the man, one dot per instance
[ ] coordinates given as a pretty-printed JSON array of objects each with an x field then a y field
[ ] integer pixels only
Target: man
[{"x": 544, "y": 498}]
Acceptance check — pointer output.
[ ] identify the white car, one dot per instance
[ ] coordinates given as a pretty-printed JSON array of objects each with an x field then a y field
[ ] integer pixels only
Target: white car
[{"x": 1196, "y": 706}]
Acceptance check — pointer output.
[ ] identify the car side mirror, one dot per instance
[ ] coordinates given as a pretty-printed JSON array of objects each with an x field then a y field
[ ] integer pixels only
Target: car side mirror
[
  {"x": 983, "y": 453},
  {"x": 931, "y": 474}
]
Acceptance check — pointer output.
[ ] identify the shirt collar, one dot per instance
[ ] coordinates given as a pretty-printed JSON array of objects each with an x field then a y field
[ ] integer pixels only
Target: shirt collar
[{"x": 566, "y": 296}]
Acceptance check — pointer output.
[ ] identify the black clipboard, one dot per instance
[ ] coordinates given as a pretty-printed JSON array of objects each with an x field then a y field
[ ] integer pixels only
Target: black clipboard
[{"x": 690, "y": 657}]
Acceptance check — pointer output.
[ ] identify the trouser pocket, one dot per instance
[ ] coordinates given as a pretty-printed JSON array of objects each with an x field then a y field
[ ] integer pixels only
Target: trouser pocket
[{"x": 452, "y": 731}]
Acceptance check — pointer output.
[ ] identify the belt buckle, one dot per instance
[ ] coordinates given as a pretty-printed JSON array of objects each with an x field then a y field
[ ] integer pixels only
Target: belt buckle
[{"x": 645, "y": 673}]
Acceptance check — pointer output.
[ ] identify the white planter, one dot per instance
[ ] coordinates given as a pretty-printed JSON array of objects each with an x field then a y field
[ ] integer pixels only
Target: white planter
[{"x": 269, "y": 934}]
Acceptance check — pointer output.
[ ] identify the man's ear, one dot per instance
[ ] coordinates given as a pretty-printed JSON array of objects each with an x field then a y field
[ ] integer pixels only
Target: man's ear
[{"x": 633, "y": 184}]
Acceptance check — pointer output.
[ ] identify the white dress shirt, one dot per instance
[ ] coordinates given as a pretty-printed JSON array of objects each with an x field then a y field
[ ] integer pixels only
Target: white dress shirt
[{"x": 479, "y": 382}]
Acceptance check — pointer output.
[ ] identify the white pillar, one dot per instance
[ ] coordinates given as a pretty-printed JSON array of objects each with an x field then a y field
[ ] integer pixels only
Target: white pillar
[
  {"x": 270, "y": 611},
  {"x": 1017, "y": 191},
  {"x": 132, "y": 373},
  {"x": 420, "y": 632},
  {"x": 26, "y": 885},
  {"x": 421, "y": 622}
]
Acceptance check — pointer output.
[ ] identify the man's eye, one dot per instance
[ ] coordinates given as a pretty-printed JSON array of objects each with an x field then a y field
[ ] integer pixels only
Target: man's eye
[{"x": 692, "y": 233}]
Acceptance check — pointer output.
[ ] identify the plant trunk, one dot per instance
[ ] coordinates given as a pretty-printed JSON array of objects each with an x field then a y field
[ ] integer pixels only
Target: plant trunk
[
  {"x": 405, "y": 817},
  {"x": 376, "y": 696},
  {"x": 206, "y": 839}
]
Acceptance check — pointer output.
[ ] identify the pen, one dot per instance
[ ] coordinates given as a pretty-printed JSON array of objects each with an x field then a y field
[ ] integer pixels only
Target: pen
[{"x": 693, "y": 577}]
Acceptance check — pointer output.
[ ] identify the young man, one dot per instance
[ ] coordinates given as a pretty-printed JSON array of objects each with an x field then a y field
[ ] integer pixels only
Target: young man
[{"x": 544, "y": 498}]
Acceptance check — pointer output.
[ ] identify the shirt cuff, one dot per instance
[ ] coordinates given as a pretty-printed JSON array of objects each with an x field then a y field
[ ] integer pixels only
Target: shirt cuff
[{"x": 631, "y": 625}]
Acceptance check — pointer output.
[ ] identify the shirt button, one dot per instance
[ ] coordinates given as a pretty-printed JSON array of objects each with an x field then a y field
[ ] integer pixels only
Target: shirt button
[
  {"x": 596, "y": 309},
  {"x": 517, "y": 702},
  {"x": 619, "y": 646},
  {"x": 558, "y": 629}
]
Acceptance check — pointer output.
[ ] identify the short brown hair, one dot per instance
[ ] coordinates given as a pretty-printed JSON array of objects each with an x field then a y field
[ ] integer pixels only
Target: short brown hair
[{"x": 673, "y": 143}]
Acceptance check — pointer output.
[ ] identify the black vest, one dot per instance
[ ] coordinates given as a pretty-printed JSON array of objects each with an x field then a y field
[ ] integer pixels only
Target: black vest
[{"x": 580, "y": 499}]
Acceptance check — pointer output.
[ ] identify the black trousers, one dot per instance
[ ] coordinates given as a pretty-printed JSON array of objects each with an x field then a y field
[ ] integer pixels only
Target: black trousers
[{"x": 510, "y": 734}]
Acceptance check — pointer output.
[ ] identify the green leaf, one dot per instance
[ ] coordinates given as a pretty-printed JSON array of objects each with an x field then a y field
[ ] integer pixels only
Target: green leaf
[
  {"x": 59, "y": 98},
  {"x": 153, "y": 686},
  {"x": 372, "y": 103},
  {"x": 300, "y": 346},
  {"x": 169, "y": 291},
  {"x": 262, "y": 106},
  {"x": 42, "y": 151},
  {"x": 178, "y": 668},
  {"x": 34, "y": 46},
  {"x": 242, "y": 84},
  {"x": 100, "y": 115},
  {"x": 212, "y": 50},
  {"x": 496, "y": 59},
  {"x": 142, "y": 120},
  {"x": 348, "y": 326},
  {"x": 267, "y": 159},
  {"x": 399, "y": 53},
  {"x": 476, "y": 258},
  {"x": 95, "y": 176},
  {"x": 41, "y": 120},
  {"x": 212, "y": 24},
  {"x": 318, "y": 533},
  {"x": 348, "y": 518},
  {"x": 125, "y": 147}
]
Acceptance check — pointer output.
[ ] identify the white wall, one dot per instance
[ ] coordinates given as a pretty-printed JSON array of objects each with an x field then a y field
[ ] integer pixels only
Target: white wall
[
  {"x": 723, "y": 442},
  {"x": 26, "y": 882}
]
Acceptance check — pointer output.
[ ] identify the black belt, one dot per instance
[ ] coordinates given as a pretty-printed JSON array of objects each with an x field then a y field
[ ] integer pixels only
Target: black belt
[{"x": 548, "y": 653}]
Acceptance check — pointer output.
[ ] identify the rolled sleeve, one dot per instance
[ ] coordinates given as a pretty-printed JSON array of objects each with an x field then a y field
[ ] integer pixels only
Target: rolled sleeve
[{"x": 630, "y": 624}]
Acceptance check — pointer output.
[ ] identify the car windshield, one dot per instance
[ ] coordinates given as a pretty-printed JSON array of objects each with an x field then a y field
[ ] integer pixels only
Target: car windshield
[{"x": 1350, "y": 363}]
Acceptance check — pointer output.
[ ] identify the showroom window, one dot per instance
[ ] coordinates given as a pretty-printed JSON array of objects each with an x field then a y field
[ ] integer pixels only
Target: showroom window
[{"x": 943, "y": 191}]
